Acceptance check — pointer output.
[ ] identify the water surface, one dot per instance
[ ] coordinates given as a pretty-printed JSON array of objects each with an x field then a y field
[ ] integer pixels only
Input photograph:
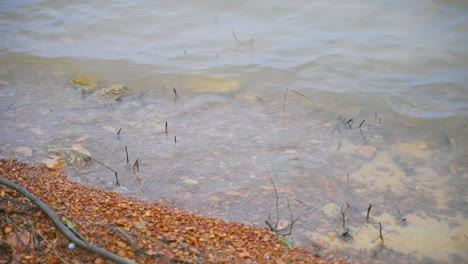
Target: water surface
[{"x": 261, "y": 87}]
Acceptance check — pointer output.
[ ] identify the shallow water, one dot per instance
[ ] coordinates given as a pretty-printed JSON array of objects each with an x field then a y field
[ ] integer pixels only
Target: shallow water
[{"x": 401, "y": 67}]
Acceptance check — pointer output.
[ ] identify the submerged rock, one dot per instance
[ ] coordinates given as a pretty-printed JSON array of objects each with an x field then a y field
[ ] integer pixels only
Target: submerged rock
[
  {"x": 104, "y": 95},
  {"x": 110, "y": 93},
  {"x": 72, "y": 156}
]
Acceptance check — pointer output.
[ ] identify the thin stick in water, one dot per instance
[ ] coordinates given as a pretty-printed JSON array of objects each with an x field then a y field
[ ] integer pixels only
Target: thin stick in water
[
  {"x": 175, "y": 95},
  {"x": 175, "y": 140},
  {"x": 302, "y": 95},
  {"x": 116, "y": 177},
  {"x": 118, "y": 133},
  {"x": 368, "y": 212},
  {"x": 343, "y": 216},
  {"x": 137, "y": 166},
  {"x": 403, "y": 219},
  {"x": 284, "y": 101},
  {"x": 235, "y": 37},
  {"x": 350, "y": 123},
  {"x": 362, "y": 123},
  {"x": 126, "y": 152},
  {"x": 167, "y": 131},
  {"x": 380, "y": 232},
  {"x": 277, "y": 201}
]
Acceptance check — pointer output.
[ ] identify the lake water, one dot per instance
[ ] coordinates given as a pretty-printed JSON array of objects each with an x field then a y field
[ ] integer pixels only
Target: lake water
[{"x": 340, "y": 105}]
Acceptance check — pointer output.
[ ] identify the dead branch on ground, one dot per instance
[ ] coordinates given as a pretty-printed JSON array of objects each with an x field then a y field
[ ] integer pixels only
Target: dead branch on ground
[{"x": 62, "y": 228}]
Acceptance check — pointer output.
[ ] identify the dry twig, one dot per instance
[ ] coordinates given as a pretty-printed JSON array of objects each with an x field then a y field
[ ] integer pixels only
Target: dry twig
[{"x": 62, "y": 228}]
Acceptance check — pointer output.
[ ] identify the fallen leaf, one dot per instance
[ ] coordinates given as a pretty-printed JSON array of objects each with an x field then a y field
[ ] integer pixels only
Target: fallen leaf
[
  {"x": 81, "y": 149},
  {"x": 195, "y": 241},
  {"x": 121, "y": 244},
  {"x": 244, "y": 254},
  {"x": 69, "y": 223},
  {"x": 140, "y": 224},
  {"x": 82, "y": 138},
  {"x": 192, "y": 182},
  {"x": 19, "y": 241},
  {"x": 55, "y": 164}
]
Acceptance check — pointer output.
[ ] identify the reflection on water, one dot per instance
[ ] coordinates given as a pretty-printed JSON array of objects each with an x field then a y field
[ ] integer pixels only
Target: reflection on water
[{"x": 346, "y": 106}]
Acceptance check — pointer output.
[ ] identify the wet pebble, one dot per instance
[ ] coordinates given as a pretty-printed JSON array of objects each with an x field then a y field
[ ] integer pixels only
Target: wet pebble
[{"x": 191, "y": 182}]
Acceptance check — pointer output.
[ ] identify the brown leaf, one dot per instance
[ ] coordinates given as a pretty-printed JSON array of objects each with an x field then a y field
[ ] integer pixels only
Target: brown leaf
[
  {"x": 19, "y": 241},
  {"x": 140, "y": 224},
  {"x": 81, "y": 149},
  {"x": 121, "y": 244}
]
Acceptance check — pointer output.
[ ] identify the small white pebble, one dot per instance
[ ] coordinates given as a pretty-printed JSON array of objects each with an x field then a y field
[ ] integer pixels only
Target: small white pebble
[{"x": 71, "y": 246}]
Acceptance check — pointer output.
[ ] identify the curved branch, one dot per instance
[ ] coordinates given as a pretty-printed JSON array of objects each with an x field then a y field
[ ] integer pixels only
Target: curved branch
[{"x": 60, "y": 226}]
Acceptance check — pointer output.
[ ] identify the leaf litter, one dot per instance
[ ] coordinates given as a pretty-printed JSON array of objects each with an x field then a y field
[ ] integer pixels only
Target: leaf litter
[{"x": 138, "y": 230}]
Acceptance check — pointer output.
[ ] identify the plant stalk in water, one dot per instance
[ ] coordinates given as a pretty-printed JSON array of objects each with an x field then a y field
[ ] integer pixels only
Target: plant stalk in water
[
  {"x": 126, "y": 152},
  {"x": 368, "y": 212},
  {"x": 285, "y": 95}
]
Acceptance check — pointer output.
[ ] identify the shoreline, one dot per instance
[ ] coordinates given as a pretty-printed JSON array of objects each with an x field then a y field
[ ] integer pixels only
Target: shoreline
[{"x": 142, "y": 231}]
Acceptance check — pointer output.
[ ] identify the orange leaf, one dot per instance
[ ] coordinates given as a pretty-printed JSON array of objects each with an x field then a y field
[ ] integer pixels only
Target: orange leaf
[
  {"x": 195, "y": 241},
  {"x": 121, "y": 244},
  {"x": 244, "y": 254}
]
